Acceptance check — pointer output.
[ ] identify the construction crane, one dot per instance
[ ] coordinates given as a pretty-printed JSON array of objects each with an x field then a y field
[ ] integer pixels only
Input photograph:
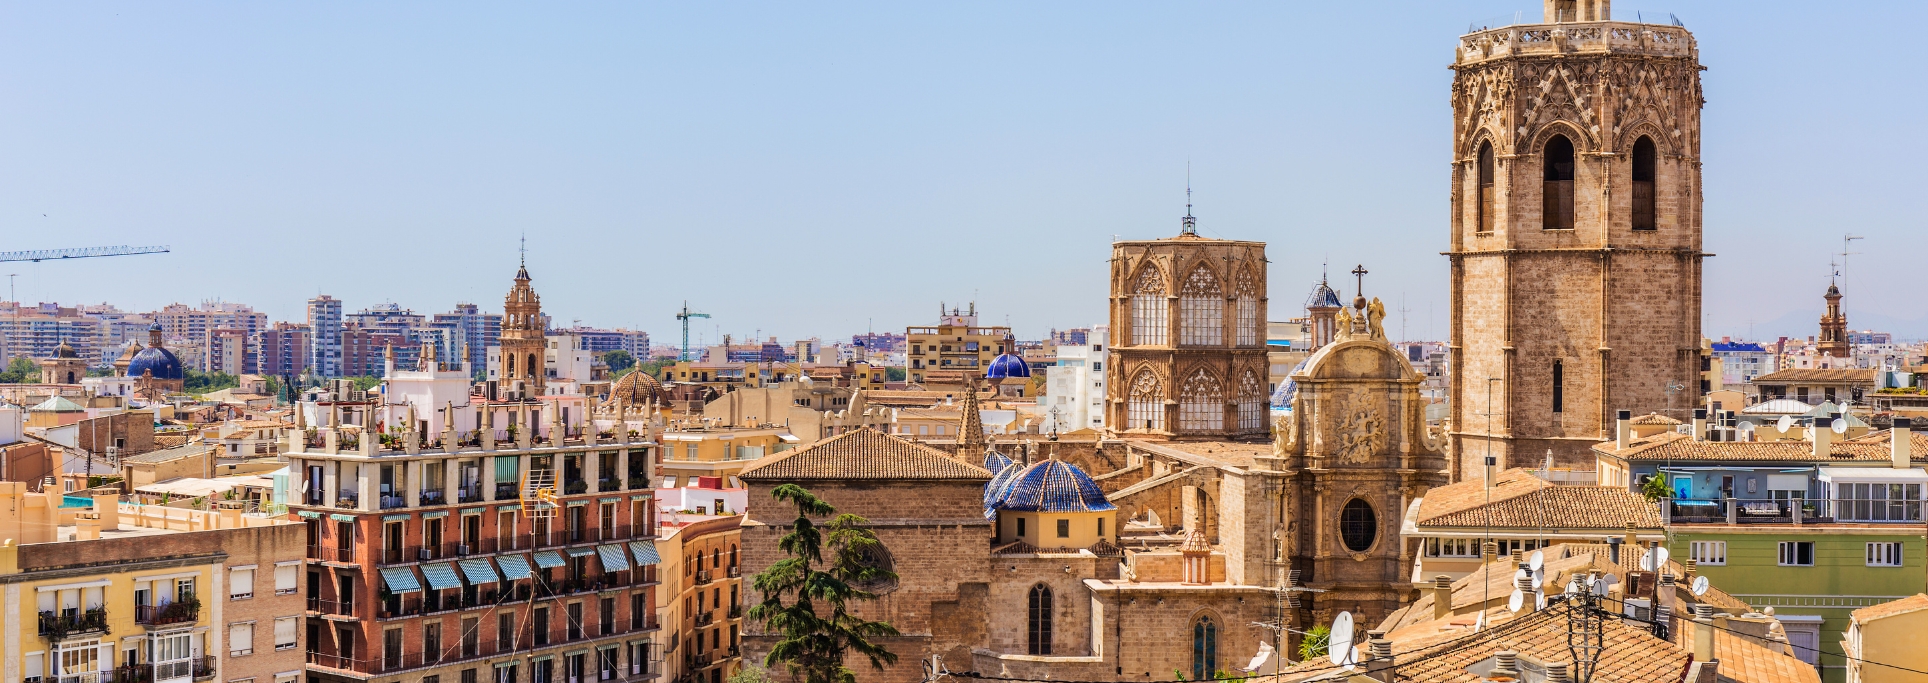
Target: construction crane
[
  {"x": 684, "y": 316},
  {"x": 39, "y": 255}
]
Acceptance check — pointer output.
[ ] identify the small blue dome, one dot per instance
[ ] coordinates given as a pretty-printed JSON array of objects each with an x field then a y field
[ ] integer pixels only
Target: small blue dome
[
  {"x": 159, "y": 360},
  {"x": 1051, "y": 486},
  {"x": 1323, "y": 297},
  {"x": 1282, "y": 399},
  {"x": 994, "y": 489},
  {"x": 995, "y": 461},
  {"x": 1007, "y": 366}
]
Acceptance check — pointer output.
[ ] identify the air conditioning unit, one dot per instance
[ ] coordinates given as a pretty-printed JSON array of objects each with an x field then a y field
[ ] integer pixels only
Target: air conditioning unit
[
  {"x": 426, "y": 554},
  {"x": 461, "y": 548}
]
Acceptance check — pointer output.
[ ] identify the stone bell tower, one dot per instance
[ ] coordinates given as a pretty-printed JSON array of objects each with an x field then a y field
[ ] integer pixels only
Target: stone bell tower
[
  {"x": 523, "y": 336},
  {"x": 1576, "y": 233}
]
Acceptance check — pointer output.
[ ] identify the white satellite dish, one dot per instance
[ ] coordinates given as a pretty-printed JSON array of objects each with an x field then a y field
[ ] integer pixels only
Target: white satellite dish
[
  {"x": 1516, "y": 600},
  {"x": 1660, "y": 558},
  {"x": 1339, "y": 646},
  {"x": 1647, "y": 561},
  {"x": 1519, "y": 574},
  {"x": 1700, "y": 585},
  {"x": 1537, "y": 561},
  {"x": 1600, "y": 586},
  {"x": 1539, "y": 599},
  {"x": 1785, "y": 423},
  {"x": 1573, "y": 585},
  {"x": 1841, "y": 426}
]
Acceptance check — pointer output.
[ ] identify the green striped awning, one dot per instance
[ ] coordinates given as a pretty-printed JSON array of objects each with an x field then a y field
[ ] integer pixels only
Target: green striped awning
[
  {"x": 400, "y": 580},
  {"x": 310, "y": 514},
  {"x": 613, "y": 558},
  {"x": 441, "y": 576},
  {"x": 342, "y": 518},
  {"x": 645, "y": 552},
  {"x": 513, "y": 566},
  {"x": 580, "y": 552},
  {"x": 549, "y": 559},
  {"x": 435, "y": 515},
  {"x": 479, "y": 571}
]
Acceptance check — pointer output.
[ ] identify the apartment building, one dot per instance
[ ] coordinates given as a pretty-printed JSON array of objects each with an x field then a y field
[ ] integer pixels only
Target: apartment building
[
  {"x": 703, "y": 598},
  {"x": 324, "y": 336},
  {"x": 954, "y": 344},
  {"x": 491, "y": 538},
  {"x": 116, "y": 592},
  {"x": 285, "y": 349}
]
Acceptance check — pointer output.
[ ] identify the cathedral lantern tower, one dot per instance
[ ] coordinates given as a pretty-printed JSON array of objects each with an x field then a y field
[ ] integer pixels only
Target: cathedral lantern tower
[
  {"x": 1188, "y": 338},
  {"x": 1575, "y": 232},
  {"x": 523, "y": 341}
]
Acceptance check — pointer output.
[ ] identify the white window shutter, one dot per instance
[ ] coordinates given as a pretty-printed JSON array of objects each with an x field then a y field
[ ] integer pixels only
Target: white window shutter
[
  {"x": 285, "y": 578},
  {"x": 285, "y": 631},
  {"x": 240, "y": 639},
  {"x": 35, "y": 667},
  {"x": 106, "y": 657},
  {"x": 241, "y": 582}
]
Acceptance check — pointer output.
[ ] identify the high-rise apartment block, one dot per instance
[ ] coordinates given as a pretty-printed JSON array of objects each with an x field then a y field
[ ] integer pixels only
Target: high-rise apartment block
[
  {"x": 1575, "y": 234},
  {"x": 195, "y": 327},
  {"x": 286, "y": 350},
  {"x": 473, "y": 330},
  {"x": 325, "y": 342},
  {"x": 955, "y": 347}
]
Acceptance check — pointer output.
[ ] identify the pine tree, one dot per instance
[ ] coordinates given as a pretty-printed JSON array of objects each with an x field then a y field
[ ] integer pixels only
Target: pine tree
[{"x": 813, "y": 645}]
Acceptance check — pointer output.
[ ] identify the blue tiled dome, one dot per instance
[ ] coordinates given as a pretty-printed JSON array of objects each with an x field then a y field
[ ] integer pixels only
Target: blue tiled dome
[
  {"x": 1323, "y": 297},
  {"x": 1007, "y": 366},
  {"x": 161, "y": 361},
  {"x": 995, "y": 461},
  {"x": 994, "y": 489},
  {"x": 1282, "y": 399},
  {"x": 1050, "y": 486}
]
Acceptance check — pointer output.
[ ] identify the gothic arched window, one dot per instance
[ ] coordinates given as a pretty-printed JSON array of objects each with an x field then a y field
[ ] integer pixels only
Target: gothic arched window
[
  {"x": 1201, "y": 403},
  {"x": 1643, "y": 184},
  {"x": 529, "y": 368},
  {"x": 1251, "y": 403},
  {"x": 1248, "y": 310},
  {"x": 1038, "y": 635},
  {"x": 510, "y": 371},
  {"x": 1559, "y": 386},
  {"x": 1358, "y": 525},
  {"x": 1204, "y": 648},
  {"x": 1558, "y": 184},
  {"x": 1145, "y": 409},
  {"x": 1201, "y": 310},
  {"x": 1485, "y": 199},
  {"x": 1148, "y": 309}
]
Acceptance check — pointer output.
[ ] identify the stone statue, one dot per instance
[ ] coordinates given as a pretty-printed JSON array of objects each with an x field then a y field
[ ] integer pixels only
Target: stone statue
[
  {"x": 1343, "y": 324},
  {"x": 1285, "y": 435},
  {"x": 1375, "y": 317}
]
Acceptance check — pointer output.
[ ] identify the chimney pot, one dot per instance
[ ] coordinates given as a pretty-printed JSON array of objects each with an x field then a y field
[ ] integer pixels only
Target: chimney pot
[
  {"x": 1556, "y": 672},
  {"x": 1623, "y": 429},
  {"x": 1900, "y": 449}
]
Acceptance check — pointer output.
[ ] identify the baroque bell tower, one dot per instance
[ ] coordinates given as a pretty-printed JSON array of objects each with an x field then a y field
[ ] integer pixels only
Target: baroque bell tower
[
  {"x": 1576, "y": 233},
  {"x": 523, "y": 339}
]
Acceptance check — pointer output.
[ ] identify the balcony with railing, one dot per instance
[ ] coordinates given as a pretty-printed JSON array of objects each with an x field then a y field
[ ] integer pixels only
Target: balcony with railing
[
  {"x": 432, "y": 497},
  {"x": 469, "y": 494},
  {"x": 347, "y": 500},
  {"x": 705, "y": 618},
  {"x": 68, "y": 623},
  {"x": 177, "y": 612},
  {"x": 1782, "y": 511},
  {"x": 391, "y": 501},
  {"x": 702, "y": 577}
]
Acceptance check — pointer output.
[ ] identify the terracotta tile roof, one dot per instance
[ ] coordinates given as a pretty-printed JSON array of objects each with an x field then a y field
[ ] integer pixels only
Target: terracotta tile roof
[
  {"x": 1677, "y": 446},
  {"x": 1654, "y": 419},
  {"x": 1631, "y": 654},
  {"x": 1817, "y": 375},
  {"x": 1905, "y": 605},
  {"x": 1464, "y": 495},
  {"x": 1558, "y": 507},
  {"x": 1492, "y": 583},
  {"x": 863, "y": 454},
  {"x": 1744, "y": 660}
]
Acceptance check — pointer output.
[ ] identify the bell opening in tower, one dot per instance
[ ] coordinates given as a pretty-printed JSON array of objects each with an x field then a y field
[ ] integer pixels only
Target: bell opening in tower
[
  {"x": 1643, "y": 184},
  {"x": 1558, "y": 184},
  {"x": 1486, "y": 187}
]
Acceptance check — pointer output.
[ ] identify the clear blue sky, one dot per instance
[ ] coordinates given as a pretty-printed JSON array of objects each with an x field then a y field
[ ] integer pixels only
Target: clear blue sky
[{"x": 815, "y": 168}]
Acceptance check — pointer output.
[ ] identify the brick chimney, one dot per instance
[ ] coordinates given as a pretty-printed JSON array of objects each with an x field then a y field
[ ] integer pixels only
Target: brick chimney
[
  {"x": 1822, "y": 436},
  {"x": 1899, "y": 450},
  {"x": 1622, "y": 429},
  {"x": 1700, "y": 424},
  {"x": 1442, "y": 596}
]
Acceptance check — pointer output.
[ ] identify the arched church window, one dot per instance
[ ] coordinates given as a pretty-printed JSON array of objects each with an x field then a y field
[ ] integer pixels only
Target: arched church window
[
  {"x": 529, "y": 368},
  {"x": 1358, "y": 525},
  {"x": 1248, "y": 310},
  {"x": 1145, "y": 409},
  {"x": 1038, "y": 635},
  {"x": 1148, "y": 309},
  {"x": 1251, "y": 403},
  {"x": 1643, "y": 184},
  {"x": 1201, "y": 403},
  {"x": 1204, "y": 648},
  {"x": 1201, "y": 310},
  {"x": 1486, "y": 206},
  {"x": 510, "y": 371},
  {"x": 1557, "y": 186}
]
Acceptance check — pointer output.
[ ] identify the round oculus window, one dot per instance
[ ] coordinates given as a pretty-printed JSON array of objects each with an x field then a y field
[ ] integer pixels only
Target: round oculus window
[{"x": 1358, "y": 526}]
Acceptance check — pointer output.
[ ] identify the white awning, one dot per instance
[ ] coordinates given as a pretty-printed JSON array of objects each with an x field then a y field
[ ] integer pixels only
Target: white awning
[{"x": 1873, "y": 474}]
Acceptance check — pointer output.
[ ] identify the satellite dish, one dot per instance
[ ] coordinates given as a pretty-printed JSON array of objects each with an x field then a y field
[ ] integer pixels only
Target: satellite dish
[
  {"x": 1537, "y": 561},
  {"x": 1600, "y": 587},
  {"x": 1339, "y": 648},
  {"x": 1785, "y": 423},
  {"x": 1516, "y": 600},
  {"x": 1841, "y": 426},
  {"x": 1647, "y": 561},
  {"x": 1573, "y": 585},
  {"x": 1540, "y": 599},
  {"x": 1660, "y": 557},
  {"x": 1518, "y": 574},
  {"x": 1700, "y": 585}
]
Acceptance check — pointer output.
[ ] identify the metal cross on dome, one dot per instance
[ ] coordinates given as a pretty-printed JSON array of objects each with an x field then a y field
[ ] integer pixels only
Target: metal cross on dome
[{"x": 1360, "y": 271}]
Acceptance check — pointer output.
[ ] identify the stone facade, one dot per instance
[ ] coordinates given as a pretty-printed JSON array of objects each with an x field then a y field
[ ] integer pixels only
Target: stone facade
[
  {"x": 1188, "y": 339},
  {"x": 1576, "y": 236}
]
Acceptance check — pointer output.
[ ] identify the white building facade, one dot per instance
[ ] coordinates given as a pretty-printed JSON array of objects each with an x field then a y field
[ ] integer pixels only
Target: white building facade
[{"x": 1074, "y": 389}]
